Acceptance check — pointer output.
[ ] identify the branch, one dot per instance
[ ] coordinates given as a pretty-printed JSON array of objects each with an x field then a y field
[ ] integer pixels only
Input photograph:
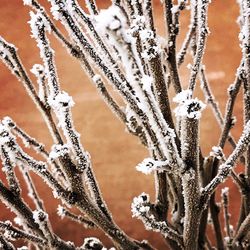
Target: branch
[
  {"x": 229, "y": 228},
  {"x": 141, "y": 209},
  {"x": 226, "y": 168},
  {"x": 242, "y": 231},
  {"x": 62, "y": 212},
  {"x": 172, "y": 31},
  {"x": 15, "y": 233},
  {"x": 202, "y": 31},
  {"x": 215, "y": 107},
  {"x": 5, "y": 244}
]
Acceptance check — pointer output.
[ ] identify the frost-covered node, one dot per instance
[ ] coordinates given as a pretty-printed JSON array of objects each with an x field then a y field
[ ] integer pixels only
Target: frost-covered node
[
  {"x": 217, "y": 152},
  {"x": 37, "y": 70},
  {"x": 140, "y": 205},
  {"x": 61, "y": 211},
  {"x": 93, "y": 243},
  {"x": 148, "y": 165},
  {"x": 27, "y": 2},
  {"x": 111, "y": 18},
  {"x": 40, "y": 216},
  {"x": 58, "y": 151},
  {"x": 61, "y": 100},
  {"x": 187, "y": 106}
]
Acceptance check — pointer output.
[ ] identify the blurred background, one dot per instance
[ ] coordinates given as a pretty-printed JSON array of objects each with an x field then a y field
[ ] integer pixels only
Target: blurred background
[{"x": 114, "y": 152}]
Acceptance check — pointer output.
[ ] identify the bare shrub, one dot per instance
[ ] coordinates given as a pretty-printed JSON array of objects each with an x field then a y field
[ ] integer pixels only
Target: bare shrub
[{"x": 120, "y": 46}]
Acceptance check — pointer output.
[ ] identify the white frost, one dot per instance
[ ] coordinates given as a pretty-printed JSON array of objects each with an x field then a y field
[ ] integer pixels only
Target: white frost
[
  {"x": 37, "y": 70},
  {"x": 61, "y": 211},
  {"x": 148, "y": 165},
  {"x": 55, "y": 12},
  {"x": 224, "y": 191},
  {"x": 40, "y": 216},
  {"x": 217, "y": 152},
  {"x": 18, "y": 221},
  {"x": 58, "y": 151},
  {"x": 188, "y": 107},
  {"x": 147, "y": 82},
  {"x": 110, "y": 18},
  {"x": 27, "y": 2},
  {"x": 61, "y": 100},
  {"x": 139, "y": 205},
  {"x": 96, "y": 78},
  {"x": 183, "y": 96},
  {"x": 174, "y": 9}
]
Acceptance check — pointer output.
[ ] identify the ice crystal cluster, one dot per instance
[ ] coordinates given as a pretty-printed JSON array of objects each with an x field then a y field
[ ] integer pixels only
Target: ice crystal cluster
[{"x": 119, "y": 48}]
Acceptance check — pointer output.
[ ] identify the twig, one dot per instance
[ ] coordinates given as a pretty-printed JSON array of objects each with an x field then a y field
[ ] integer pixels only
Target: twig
[
  {"x": 16, "y": 233},
  {"x": 202, "y": 31},
  {"x": 172, "y": 31},
  {"x": 62, "y": 212},
  {"x": 224, "y": 195},
  {"x": 225, "y": 168},
  {"x": 141, "y": 208},
  {"x": 242, "y": 231},
  {"x": 5, "y": 244},
  {"x": 91, "y": 5},
  {"x": 214, "y": 105}
]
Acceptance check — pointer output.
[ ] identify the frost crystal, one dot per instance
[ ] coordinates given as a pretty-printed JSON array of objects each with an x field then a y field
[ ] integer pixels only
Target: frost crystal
[
  {"x": 175, "y": 9},
  {"x": 146, "y": 34},
  {"x": 224, "y": 191},
  {"x": 138, "y": 23},
  {"x": 92, "y": 243},
  {"x": 55, "y": 12},
  {"x": 110, "y": 18},
  {"x": 183, "y": 96},
  {"x": 217, "y": 152},
  {"x": 62, "y": 100},
  {"x": 61, "y": 211},
  {"x": 37, "y": 22},
  {"x": 147, "y": 82},
  {"x": 96, "y": 78},
  {"x": 148, "y": 165},
  {"x": 18, "y": 221},
  {"x": 27, "y": 2},
  {"x": 58, "y": 151},
  {"x": 140, "y": 205},
  {"x": 4, "y": 134},
  {"x": 188, "y": 107},
  {"x": 37, "y": 70},
  {"x": 40, "y": 216}
]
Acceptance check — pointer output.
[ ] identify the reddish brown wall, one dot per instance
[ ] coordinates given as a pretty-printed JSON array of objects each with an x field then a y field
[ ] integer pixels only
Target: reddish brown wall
[{"x": 114, "y": 152}]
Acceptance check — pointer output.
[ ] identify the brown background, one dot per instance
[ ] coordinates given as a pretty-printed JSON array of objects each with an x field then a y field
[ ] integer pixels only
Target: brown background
[{"x": 114, "y": 152}]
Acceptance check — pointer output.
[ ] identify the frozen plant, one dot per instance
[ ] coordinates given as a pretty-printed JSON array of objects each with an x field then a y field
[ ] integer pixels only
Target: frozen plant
[{"x": 119, "y": 46}]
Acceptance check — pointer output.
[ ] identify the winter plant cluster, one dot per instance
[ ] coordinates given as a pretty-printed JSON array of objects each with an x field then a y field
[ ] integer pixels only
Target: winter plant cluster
[{"x": 119, "y": 46}]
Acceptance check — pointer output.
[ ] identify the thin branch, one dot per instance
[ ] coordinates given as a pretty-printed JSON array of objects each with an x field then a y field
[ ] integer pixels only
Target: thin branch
[
  {"x": 142, "y": 209},
  {"x": 214, "y": 105},
  {"x": 32, "y": 190},
  {"x": 202, "y": 31},
  {"x": 5, "y": 244},
  {"x": 91, "y": 5},
  {"x": 172, "y": 31},
  {"x": 183, "y": 51},
  {"x": 225, "y": 168},
  {"x": 224, "y": 196},
  {"x": 62, "y": 212},
  {"x": 16, "y": 233},
  {"x": 242, "y": 231}
]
